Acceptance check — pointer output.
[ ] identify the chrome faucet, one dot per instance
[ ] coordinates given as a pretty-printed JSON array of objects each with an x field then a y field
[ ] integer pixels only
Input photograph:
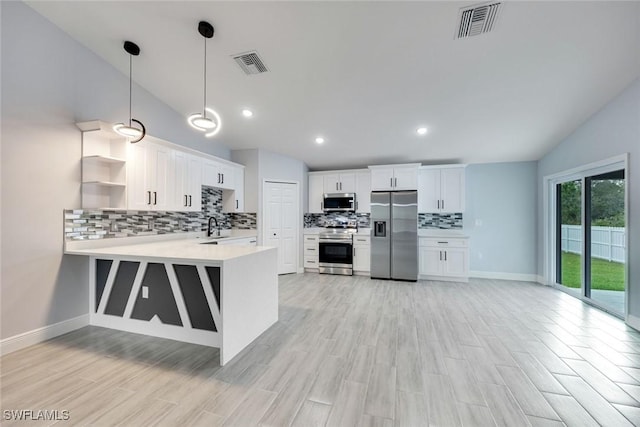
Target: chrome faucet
[{"x": 209, "y": 226}]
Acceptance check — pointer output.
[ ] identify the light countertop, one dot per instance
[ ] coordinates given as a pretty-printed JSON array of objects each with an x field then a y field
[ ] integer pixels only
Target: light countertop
[
  {"x": 318, "y": 230},
  {"x": 171, "y": 247},
  {"x": 435, "y": 232}
]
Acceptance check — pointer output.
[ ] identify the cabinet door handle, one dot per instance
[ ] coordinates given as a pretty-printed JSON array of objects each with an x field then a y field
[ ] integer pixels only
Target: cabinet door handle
[
  {"x": 391, "y": 182},
  {"x": 222, "y": 178},
  {"x": 252, "y": 241},
  {"x": 155, "y": 197},
  {"x": 186, "y": 198},
  {"x": 438, "y": 203},
  {"x": 440, "y": 255},
  {"x": 340, "y": 186},
  {"x": 442, "y": 203},
  {"x": 321, "y": 206},
  {"x": 189, "y": 200},
  {"x": 148, "y": 197},
  {"x": 237, "y": 207},
  {"x": 395, "y": 182},
  {"x": 356, "y": 205},
  {"x": 445, "y": 255},
  {"x": 218, "y": 177}
]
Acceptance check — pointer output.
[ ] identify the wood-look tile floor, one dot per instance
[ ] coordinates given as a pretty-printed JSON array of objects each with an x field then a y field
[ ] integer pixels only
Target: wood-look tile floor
[{"x": 351, "y": 351}]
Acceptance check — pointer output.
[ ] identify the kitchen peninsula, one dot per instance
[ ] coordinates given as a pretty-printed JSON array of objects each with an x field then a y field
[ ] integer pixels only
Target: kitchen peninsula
[{"x": 180, "y": 288}]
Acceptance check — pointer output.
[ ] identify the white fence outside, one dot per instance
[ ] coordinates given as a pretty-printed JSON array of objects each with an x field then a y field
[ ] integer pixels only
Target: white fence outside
[{"x": 606, "y": 242}]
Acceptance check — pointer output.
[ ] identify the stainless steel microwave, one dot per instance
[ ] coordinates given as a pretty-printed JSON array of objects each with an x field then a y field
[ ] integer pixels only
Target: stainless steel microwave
[{"x": 339, "y": 202}]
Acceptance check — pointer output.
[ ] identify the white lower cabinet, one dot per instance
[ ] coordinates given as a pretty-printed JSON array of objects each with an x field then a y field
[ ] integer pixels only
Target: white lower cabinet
[
  {"x": 311, "y": 251},
  {"x": 361, "y": 254},
  {"x": 444, "y": 258}
]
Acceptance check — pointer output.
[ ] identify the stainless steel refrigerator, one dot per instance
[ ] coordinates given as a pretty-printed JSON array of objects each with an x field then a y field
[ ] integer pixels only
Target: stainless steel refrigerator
[{"x": 394, "y": 235}]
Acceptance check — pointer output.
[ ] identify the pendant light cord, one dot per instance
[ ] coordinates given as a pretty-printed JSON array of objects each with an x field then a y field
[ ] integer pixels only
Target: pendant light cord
[
  {"x": 130, "y": 79},
  {"x": 204, "y": 105}
]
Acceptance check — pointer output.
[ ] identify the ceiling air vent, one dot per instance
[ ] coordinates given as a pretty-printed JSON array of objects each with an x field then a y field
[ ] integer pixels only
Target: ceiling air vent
[
  {"x": 250, "y": 63},
  {"x": 477, "y": 19}
]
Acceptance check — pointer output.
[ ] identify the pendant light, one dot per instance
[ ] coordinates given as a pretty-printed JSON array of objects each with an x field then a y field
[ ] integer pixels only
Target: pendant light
[
  {"x": 210, "y": 124},
  {"x": 134, "y": 133}
]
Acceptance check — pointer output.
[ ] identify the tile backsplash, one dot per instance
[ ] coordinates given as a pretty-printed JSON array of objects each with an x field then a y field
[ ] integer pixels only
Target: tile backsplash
[
  {"x": 425, "y": 220},
  {"x": 443, "y": 221},
  {"x": 317, "y": 220},
  {"x": 101, "y": 224}
]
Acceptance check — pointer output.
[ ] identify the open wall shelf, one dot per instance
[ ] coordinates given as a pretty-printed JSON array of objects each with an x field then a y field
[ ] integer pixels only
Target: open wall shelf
[{"x": 104, "y": 172}]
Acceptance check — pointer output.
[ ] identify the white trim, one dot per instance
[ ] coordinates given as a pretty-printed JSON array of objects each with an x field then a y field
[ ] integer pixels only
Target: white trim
[
  {"x": 106, "y": 292},
  {"x": 633, "y": 321},
  {"x": 298, "y": 235},
  {"x": 156, "y": 328},
  {"x": 207, "y": 288},
  {"x": 462, "y": 279},
  {"x": 621, "y": 158},
  {"x": 36, "y": 336},
  {"x": 549, "y": 205},
  {"x": 135, "y": 290},
  {"x": 177, "y": 295},
  {"x": 519, "y": 277}
]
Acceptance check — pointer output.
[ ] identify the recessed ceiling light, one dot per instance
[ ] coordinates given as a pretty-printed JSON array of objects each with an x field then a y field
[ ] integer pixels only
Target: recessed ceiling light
[
  {"x": 319, "y": 140},
  {"x": 421, "y": 131},
  {"x": 247, "y": 113}
]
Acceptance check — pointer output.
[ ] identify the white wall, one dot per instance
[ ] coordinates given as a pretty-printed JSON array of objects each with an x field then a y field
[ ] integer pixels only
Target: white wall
[
  {"x": 49, "y": 82},
  {"x": 261, "y": 165},
  {"x": 612, "y": 131},
  {"x": 500, "y": 218}
]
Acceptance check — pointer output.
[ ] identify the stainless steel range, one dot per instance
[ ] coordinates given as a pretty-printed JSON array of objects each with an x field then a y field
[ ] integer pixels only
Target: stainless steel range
[{"x": 336, "y": 247}]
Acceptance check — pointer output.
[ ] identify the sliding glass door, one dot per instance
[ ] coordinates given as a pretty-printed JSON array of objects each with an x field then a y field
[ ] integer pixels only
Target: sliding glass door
[
  {"x": 590, "y": 242},
  {"x": 605, "y": 249},
  {"x": 569, "y": 231}
]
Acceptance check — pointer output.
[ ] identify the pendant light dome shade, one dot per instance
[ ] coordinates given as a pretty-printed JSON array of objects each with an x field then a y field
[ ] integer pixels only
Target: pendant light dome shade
[
  {"x": 209, "y": 120},
  {"x": 133, "y": 133}
]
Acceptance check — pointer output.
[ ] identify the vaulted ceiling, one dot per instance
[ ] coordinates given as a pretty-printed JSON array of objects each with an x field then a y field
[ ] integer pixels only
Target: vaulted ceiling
[{"x": 366, "y": 75}]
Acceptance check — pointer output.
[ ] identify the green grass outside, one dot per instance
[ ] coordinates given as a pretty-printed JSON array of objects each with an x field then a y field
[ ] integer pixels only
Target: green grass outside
[{"x": 605, "y": 275}]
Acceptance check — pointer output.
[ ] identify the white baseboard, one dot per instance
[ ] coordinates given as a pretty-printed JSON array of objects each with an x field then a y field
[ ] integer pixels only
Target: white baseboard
[
  {"x": 506, "y": 276},
  {"x": 633, "y": 321},
  {"x": 26, "y": 339},
  {"x": 540, "y": 279}
]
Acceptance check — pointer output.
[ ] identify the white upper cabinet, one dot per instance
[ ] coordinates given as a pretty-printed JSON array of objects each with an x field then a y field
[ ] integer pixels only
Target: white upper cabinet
[
  {"x": 441, "y": 189},
  {"x": 316, "y": 191},
  {"x": 163, "y": 176},
  {"x": 348, "y": 181},
  {"x": 188, "y": 182},
  {"x": 218, "y": 174},
  {"x": 363, "y": 192},
  {"x": 150, "y": 173},
  {"x": 394, "y": 177},
  {"x": 340, "y": 183},
  {"x": 233, "y": 199}
]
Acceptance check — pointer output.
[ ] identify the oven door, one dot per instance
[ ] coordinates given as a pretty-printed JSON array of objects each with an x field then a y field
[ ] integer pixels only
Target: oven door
[{"x": 335, "y": 256}]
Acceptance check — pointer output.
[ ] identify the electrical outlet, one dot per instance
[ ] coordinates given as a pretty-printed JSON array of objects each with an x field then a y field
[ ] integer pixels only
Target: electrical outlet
[
  {"x": 145, "y": 292},
  {"x": 478, "y": 223}
]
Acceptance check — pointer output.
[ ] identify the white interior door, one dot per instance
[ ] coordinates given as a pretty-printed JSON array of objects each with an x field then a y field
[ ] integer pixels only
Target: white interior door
[{"x": 281, "y": 223}]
